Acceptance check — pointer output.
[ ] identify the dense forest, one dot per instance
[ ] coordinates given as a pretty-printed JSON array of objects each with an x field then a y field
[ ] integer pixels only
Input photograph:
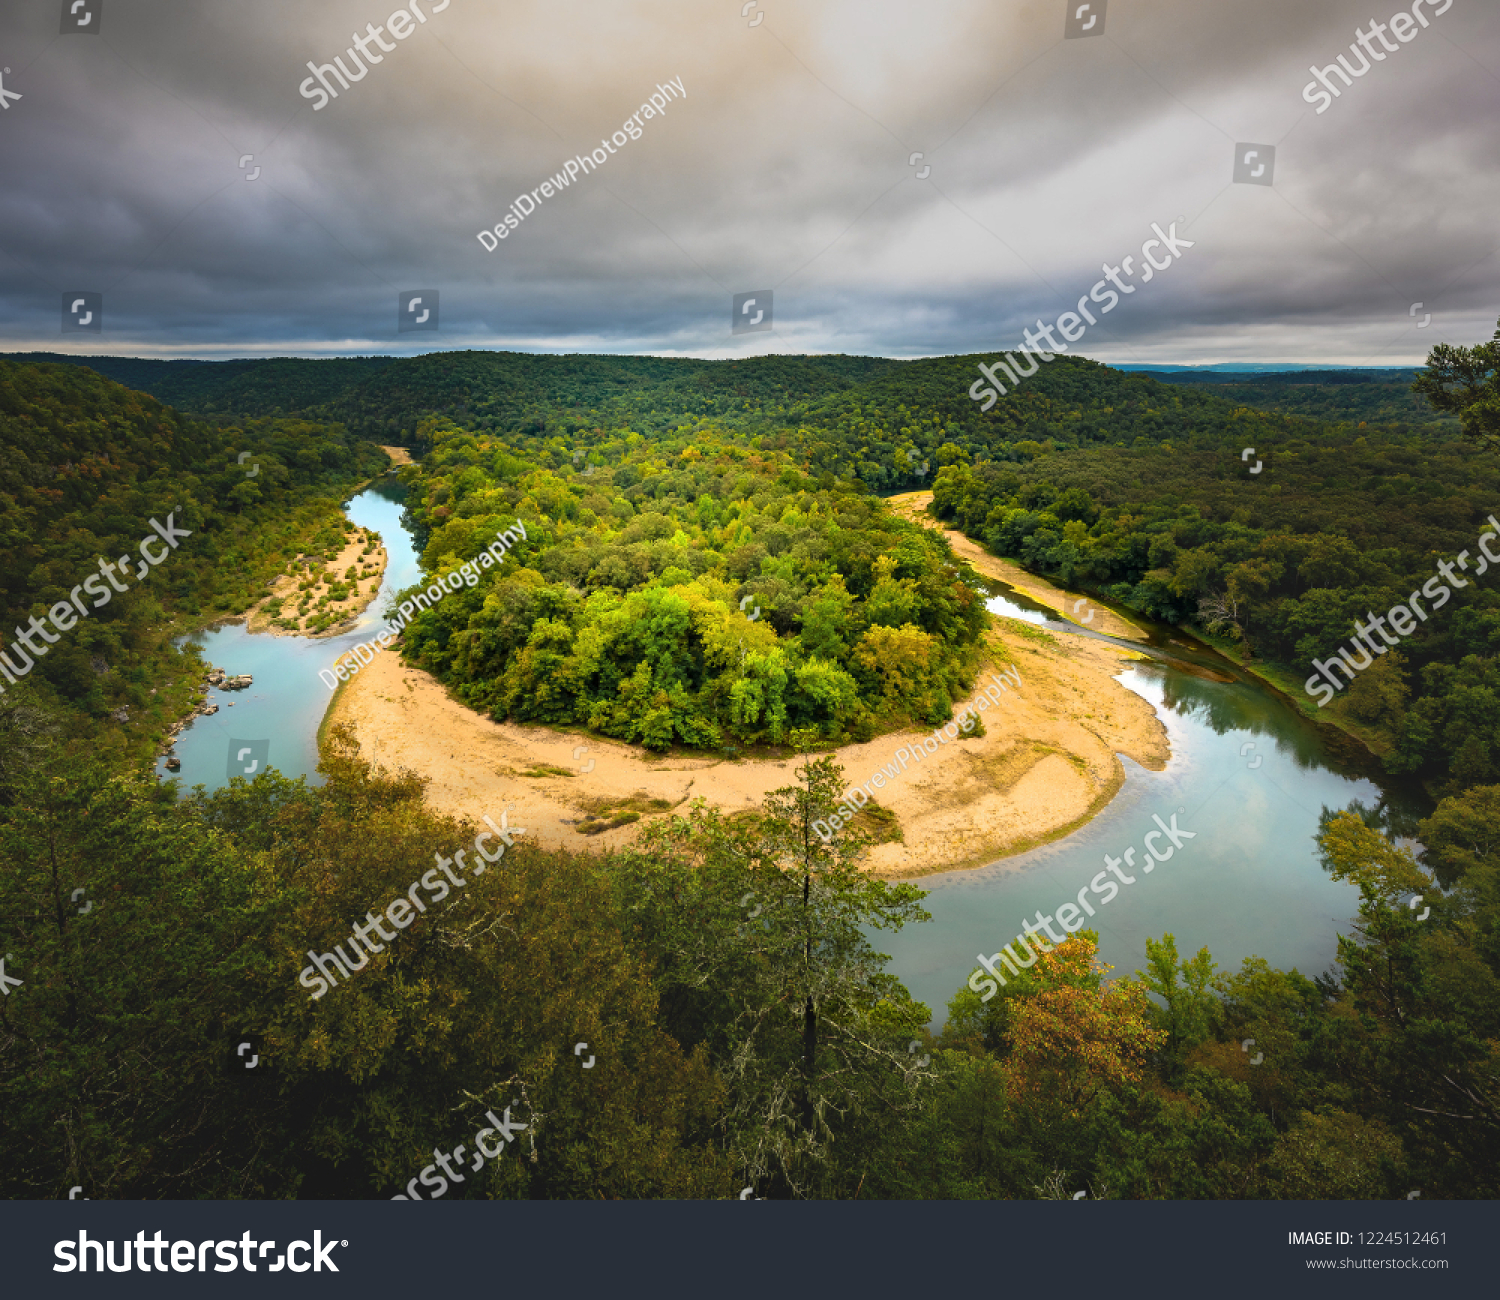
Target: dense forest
[
  {"x": 867, "y": 418},
  {"x": 774, "y": 1052},
  {"x": 1338, "y": 396},
  {"x": 276, "y": 386},
  {"x": 685, "y": 590},
  {"x": 672, "y": 510},
  {"x": 1282, "y": 563}
]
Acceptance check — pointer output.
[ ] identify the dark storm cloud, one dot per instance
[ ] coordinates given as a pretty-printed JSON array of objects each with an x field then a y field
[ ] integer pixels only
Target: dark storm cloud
[{"x": 785, "y": 165}]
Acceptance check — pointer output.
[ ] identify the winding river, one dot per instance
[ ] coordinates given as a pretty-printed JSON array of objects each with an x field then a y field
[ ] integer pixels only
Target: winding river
[
  {"x": 285, "y": 705},
  {"x": 1248, "y": 778}
]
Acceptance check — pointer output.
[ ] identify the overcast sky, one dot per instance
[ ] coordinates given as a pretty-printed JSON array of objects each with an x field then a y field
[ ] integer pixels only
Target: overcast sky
[{"x": 786, "y": 167}]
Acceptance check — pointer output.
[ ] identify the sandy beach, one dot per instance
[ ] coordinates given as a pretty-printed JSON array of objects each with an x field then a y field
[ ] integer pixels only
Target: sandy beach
[{"x": 1046, "y": 765}]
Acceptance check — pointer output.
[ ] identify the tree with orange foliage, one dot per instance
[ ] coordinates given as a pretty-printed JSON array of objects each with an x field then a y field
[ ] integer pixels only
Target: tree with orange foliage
[{"x": 1077, "y": 1035}]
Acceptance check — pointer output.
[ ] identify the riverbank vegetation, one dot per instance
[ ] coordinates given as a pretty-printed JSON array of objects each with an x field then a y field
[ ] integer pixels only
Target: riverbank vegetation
[
  {"x": 87, "y": 465},
  {"x": 1283, "y": 560}
]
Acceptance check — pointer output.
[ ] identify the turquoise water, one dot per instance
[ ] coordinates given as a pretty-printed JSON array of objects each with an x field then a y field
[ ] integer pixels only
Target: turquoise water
[
  {"x": 286, "y": 703},
  {"x": 1247, "y": 776},
  {"x": 1249, "y": 882}
]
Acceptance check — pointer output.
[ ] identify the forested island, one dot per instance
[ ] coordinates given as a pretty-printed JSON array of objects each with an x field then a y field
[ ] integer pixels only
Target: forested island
[{"x": 709, "y": 567}]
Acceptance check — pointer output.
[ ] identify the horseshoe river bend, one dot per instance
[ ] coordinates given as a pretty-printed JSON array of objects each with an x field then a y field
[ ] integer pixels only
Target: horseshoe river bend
[{"x": 1244, "y": 786}]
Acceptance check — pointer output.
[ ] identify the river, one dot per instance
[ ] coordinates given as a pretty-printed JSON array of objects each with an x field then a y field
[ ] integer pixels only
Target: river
[
  {"x": 285, "y": 705},
  {"x": 1248, "y": 777}
]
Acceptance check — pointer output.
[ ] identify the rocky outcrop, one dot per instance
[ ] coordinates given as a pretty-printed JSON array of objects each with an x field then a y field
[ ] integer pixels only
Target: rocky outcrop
[{"x": 215, "y": 677}]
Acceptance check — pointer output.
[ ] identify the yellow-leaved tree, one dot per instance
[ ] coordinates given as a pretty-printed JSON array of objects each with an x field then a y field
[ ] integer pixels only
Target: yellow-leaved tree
[{"x": 1077, "y": 1035}]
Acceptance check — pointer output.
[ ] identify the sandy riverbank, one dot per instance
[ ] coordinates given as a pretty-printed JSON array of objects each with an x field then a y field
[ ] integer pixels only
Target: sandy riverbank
[
  {"x": 363, "y": 553},
  {"x": 912, "y": 506},
  {"x": 1047, "y": 764}
]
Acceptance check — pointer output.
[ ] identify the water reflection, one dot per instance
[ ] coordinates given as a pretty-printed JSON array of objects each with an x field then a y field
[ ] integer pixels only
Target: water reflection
[{"x": 1250, "y": 777}]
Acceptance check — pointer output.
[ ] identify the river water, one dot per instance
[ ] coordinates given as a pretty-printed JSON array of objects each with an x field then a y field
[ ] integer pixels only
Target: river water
[
  {"x": 285, "y": 705},
  {"x": 1248, "y": 777}
]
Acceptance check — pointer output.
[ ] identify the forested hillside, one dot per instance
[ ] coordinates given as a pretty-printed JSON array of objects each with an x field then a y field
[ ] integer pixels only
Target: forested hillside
[
  {"x": 87, "y": 466},
  {"x": 1131, "y": 486},
  {"x": 869, "y": 418},
  {"x": 275, "y": 386},
  {"x": 1339, "y": 396},
  {"x": 1283, "y": 561},
  {"x": 776, "y": 1052}
]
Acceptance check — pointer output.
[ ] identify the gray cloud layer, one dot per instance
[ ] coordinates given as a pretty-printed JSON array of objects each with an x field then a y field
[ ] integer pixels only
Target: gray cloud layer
[{"x": 786, "y": 166}]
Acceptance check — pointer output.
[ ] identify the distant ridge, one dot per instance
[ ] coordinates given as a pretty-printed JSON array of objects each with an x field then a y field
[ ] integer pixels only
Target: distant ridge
[
  {"x": 1271, "y": 368},
  {"x": 862, "y": 414}
]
